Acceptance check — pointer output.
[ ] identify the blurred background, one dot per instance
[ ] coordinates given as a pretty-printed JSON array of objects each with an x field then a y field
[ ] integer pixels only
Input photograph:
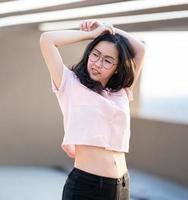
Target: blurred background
[{"x": 32, "y": 163}]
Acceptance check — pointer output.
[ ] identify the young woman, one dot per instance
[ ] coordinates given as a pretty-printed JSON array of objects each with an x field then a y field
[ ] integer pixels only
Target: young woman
[{"x": 94, "y": 97}]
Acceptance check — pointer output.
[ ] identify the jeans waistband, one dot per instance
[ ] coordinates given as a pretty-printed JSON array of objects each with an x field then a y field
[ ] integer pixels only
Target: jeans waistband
[{"x": 94, "y": 177}]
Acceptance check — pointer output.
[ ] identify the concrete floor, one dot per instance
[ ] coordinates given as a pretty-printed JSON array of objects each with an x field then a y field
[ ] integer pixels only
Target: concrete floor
[{"x": 46, "y": 183}]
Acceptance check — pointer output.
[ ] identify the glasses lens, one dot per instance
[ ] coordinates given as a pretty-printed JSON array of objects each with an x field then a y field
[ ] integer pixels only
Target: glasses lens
[
  {"x": 93, "y": 56},
  {"x": 107, "y": 63}
]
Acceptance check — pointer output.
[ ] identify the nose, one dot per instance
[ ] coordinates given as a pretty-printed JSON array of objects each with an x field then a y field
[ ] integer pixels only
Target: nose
[{"x": 98, "y": 63}]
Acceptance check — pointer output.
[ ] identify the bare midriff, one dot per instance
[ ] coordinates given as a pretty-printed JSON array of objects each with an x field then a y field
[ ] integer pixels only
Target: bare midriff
[{"x": 100, "y": 161}]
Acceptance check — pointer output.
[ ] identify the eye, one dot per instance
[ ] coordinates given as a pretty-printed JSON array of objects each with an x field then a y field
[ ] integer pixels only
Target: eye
[
  {"x": 108, "y": 61},
  {"x": 95, "y": 54}
]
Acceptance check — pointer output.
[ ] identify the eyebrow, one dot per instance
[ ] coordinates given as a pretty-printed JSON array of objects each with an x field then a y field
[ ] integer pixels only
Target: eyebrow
[{"x": 105, "y": 55}]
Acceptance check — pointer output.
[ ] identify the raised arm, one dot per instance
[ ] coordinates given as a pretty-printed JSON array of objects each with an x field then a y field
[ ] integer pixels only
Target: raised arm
[
  {"x": 49, "y": 43},
  {"x": 139, "y": 50}
]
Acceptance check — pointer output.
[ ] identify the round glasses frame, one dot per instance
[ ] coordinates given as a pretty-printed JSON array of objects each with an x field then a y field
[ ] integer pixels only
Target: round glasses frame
[{"x": 100, "y": 56}]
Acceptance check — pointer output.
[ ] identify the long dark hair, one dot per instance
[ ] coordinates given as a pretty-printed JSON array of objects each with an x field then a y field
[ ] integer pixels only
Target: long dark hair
[{"x": 125, "y": 68}]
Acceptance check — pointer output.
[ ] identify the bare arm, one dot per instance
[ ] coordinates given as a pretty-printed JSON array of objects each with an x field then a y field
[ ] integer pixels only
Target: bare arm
[
  {"x": 64, "y": 37},
  {"x": 139, "y": 50},
  {"x": 49, "y": 43}
]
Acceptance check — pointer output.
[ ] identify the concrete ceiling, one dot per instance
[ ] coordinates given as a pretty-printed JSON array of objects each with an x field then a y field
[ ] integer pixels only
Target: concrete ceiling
[{"x": 175, "y": 24}]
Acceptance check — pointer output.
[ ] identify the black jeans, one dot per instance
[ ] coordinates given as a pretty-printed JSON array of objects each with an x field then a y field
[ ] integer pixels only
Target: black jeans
[{"x": 81, "y": 185}]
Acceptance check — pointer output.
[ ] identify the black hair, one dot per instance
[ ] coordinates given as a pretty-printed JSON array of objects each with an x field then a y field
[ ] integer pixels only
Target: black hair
[{"x": 125, "y": 68}]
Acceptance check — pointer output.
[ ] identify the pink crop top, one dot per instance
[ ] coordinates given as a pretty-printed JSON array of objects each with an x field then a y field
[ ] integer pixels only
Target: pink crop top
[{"x": 90, "y": 118}]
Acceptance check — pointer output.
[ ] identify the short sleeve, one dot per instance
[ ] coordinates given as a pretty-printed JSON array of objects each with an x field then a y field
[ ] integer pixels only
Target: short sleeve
[
  {"x": 129, "y": 94},
  {"x": 67, "y": 74}
]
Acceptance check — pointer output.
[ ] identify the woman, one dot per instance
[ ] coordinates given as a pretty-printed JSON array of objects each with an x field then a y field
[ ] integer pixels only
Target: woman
[{"x": 94, "y": 98}]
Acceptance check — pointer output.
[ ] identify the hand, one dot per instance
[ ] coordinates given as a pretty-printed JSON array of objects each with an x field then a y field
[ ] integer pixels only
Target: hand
[{"x": 96, "y": 27}]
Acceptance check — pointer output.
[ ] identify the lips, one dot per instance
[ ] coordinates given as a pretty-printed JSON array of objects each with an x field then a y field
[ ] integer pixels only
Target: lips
[{"x": 95, "y": 71}]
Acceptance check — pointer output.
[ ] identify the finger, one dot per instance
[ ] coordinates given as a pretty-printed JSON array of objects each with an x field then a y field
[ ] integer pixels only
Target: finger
[
  {"x": 87, "y": 25},
  {"x": 94, "y": 21},
  {"x": 98, "y": 22},
  {"x": 81, "y": 27},
  {"x": 113, "y": 30},
  {"x": 91, "y": 23},
  {"x": 84, "y": 25},
  {"x": 110, "y": 30}
]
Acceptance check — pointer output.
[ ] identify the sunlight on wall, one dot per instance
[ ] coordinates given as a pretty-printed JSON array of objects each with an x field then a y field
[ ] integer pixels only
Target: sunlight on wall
[{"x": 164, "y": 80}]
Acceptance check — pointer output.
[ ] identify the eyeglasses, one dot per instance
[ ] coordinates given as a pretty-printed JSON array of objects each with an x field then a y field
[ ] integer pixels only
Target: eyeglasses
[{"x": 107, "y": 62}]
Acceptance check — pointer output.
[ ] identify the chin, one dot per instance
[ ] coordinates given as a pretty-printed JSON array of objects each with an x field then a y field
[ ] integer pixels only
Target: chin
[{"x": 93, "y": 77}]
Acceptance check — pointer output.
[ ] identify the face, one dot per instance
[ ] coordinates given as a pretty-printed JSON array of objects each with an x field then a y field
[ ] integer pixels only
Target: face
[{"x": 107, "y": 55}]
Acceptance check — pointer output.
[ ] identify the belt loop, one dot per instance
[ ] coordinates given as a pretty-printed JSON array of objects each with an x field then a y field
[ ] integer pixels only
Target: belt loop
[{"x": 101, "y": 181}]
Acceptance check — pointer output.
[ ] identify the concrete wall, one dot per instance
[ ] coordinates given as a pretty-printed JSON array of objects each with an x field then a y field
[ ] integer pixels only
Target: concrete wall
[
  {"x": 31, "y": 124},
  {"x": 160, "y": 148}
]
